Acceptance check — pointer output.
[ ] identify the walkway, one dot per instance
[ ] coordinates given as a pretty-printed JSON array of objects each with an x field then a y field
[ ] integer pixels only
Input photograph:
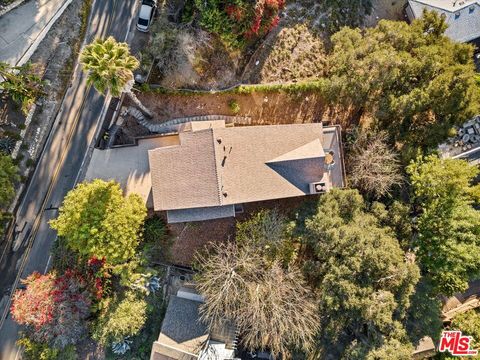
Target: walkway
[{"x": 22, "y": 29}]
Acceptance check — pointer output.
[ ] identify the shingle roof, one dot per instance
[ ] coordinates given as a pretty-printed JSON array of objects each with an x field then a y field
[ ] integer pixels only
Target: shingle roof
[
  {"x": 225, "y": 166},
  {"x": 462, "y": 17},
  {"x": 182, "y": 331}
]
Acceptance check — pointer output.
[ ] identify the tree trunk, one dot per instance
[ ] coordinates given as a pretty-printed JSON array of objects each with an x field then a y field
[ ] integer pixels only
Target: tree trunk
[{"x": 139, "y": 104}]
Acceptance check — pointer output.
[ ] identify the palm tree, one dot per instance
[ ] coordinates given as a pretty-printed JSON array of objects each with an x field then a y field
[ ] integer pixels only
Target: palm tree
[{"x": 110, "y": 66}]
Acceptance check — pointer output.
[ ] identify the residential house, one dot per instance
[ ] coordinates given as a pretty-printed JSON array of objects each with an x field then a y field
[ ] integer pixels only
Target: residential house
[
  {"x": 462, "y": 17},
  {"x": 185, "y": 337},
  {"x": 209, "y": 170}
]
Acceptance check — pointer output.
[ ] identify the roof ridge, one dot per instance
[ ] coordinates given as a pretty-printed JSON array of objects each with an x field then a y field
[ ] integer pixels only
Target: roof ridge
[{"x": 219, "y": 190}]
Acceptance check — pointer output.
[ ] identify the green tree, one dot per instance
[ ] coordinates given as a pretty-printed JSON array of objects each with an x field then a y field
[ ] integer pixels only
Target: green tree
[
  {"x": 123, "y": 317},
  {"x": 97, "y": 220},
  {"x": 469, "y": 324},
  {"x": 110, "y": 66},
  {"x": 21, "y": 83},
  {"x": 268, "y": 232},
  {"x": 413, "y": 80},
  {"x": 8, "y": 175},
  {"x": 363, "y": 279},
  {"x": 448, "y": 241}
]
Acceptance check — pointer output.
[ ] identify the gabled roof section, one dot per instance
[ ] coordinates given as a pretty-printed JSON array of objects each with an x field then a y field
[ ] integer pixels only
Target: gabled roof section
[
  {"x": 233, "y": 165},
  {"x": 311, "y": 150}
]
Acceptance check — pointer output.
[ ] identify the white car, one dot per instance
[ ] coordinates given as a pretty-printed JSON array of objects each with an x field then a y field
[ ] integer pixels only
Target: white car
[{"x": 147, "y": 10}]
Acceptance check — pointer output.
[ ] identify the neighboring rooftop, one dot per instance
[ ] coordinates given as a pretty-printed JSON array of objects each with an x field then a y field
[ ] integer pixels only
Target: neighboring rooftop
[
  {"x": 182, "y": 336},
  {"x": 462, "y": 16},
  {"x": 185, "y": 337},
  {"x": 219, "y": 167}
]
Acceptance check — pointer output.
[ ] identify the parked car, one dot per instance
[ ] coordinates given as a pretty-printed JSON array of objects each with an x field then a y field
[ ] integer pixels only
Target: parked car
[{"x": 145, "y": 17}]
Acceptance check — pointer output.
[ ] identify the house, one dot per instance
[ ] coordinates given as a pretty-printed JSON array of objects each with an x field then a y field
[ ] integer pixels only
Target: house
[
  {"x": 213, "y": 171},
  {"x": 185, "y": 337},
  {"x": 462, "y": 17},
  {"x": 210, "y": 169}
]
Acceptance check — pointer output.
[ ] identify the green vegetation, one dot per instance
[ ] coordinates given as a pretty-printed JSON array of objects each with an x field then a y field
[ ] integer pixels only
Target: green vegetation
[
  {"x": 234, "y": 106},
  {"x": 8, "y": 176},
  {"x": 123, "y": 318},
  {"x": 96, "y": 220},
  {"x": 268, "y": 232},
  {"x": 448, "y": 242},
  {"x": 34, "y": 351},
  {"x": 363, "y": 279},
  {"x": 469, "y": 324},
  {"x": 21, "y": 84},
  {"x": 418, "y": 85},
  {"x": 110, "y": 66},
  {"x": 237, "y": 22}
]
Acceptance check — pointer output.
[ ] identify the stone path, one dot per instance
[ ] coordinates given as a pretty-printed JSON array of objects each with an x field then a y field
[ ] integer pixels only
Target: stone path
[{"x": 174, "y": 124}]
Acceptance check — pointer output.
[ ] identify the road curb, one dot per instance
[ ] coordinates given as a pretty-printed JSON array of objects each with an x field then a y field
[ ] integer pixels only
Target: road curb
[
  {"x": 31, "y": 49},
  {"x": 10, "y": 7}
]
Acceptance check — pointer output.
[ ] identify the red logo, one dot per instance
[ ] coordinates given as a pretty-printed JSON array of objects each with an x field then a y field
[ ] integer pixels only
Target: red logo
[{"x": 456, "y": 344}]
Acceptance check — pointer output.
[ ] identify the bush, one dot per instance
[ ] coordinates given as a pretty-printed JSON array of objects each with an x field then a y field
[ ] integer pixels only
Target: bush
[
  {"x": 53, "y": 307},
  {"x": 234, "y": 106},
  {"x": 154, "y": 229},
  {"x": 122, "y": 318},
  {"x": 40, "y": 351},
  {"x": 239, "y": 22},
  {"x": 30, "y": 162}
]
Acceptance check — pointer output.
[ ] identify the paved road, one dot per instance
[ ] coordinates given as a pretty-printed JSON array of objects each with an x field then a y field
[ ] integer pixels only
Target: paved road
[
  {"x": 20, "y": 27},
  {"x": 59, "y": 166}
]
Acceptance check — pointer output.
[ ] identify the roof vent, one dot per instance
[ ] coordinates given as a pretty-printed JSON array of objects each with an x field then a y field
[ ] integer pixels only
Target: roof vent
[
  {"x": 318, "y": 187},
  {"x": 457, "y": 15},
  {"x": 219, "y": 140},
  {"x": 471, "y": 9}
]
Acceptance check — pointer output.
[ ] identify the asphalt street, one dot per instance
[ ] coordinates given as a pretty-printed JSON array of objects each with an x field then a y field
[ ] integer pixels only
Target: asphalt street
[{"x": 58, "y": 168}]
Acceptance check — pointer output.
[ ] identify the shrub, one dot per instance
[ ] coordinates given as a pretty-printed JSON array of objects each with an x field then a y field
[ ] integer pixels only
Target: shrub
[
  {"x": 239, "y": 22},
  {"x": 154, "y": 229},
  {"x": 53, "y": 308},
  {"x": 122, "y": 318},
  {"x": 234, "y": 106},
  {"x": 33, "y": 350},
  {"x": 30, "y": 162}
]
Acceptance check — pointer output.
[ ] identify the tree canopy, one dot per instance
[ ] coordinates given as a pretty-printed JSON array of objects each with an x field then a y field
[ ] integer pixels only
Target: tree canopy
[
  {"x": 97, "y": 220},
  {"x": 413, "y": 80},
  {"x": 53, "y": 308},
  {"x": 109, "y": 65},
  {"x": 448, "y": 242},
  {"x": 270, "y": 306},
  {"x": 364, "y": 280},
  {"x": 124, "y": 317}
]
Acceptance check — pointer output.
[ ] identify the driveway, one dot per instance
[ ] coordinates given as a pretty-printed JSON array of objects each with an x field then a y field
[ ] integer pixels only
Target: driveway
[{"x": 23, "y": 27}]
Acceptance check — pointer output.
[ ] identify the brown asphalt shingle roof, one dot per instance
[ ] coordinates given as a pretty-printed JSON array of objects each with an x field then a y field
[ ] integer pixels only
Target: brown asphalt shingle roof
[{"x": 224, "y": 166}]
